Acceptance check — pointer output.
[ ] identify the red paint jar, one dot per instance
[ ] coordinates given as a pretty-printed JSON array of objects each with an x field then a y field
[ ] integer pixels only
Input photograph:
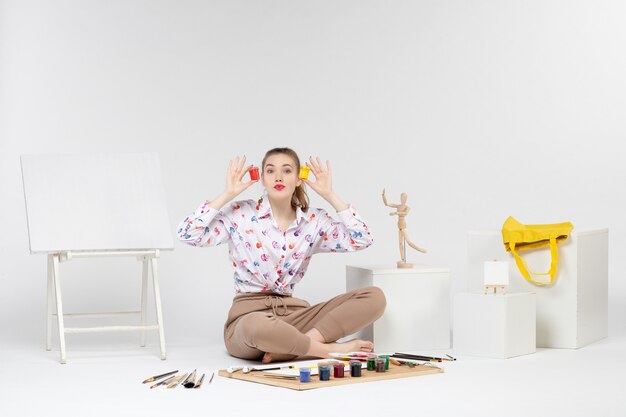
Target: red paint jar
[
  {"x": 254, "y": 173},
  {"x": 338, "y": 369}
]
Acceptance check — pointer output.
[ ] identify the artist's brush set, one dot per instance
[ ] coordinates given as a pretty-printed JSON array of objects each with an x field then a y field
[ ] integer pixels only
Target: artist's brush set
[{"x": 173, "y": 379}]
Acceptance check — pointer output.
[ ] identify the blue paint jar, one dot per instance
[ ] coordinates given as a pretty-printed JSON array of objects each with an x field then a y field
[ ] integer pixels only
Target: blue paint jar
[
  {"x": 305, "y": 374},
  {"x": 324, "y": 372}
]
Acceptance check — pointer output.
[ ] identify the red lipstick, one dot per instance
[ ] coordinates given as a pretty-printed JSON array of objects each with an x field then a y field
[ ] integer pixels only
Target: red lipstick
[{"x": 279, "y": 187}]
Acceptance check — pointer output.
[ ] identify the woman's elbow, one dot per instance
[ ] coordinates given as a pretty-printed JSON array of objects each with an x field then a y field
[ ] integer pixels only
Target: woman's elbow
[
  {"x": 182, "y": 234},
  {"x": 368, "y": 243},
  {"x": 184, "y": 237},
  {"x": 363, "y": 243}
]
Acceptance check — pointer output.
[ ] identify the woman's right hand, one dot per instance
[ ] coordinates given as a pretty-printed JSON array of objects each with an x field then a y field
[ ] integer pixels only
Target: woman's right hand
[{"x": 236, "y": 171}]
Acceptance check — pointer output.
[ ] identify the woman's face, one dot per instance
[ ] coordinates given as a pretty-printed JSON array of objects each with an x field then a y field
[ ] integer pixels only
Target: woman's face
[{"x": 279, "y": 176}]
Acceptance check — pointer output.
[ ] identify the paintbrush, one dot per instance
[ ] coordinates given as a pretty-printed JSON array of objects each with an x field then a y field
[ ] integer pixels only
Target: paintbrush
[
  {"x": 177, "y": 381},
  {"x": 199, "y": 383},
  {"x": 154, "y": 378},
  {"x": 422, "y": 357},
  {"x": 190, "y": 381},
  {"x": 247, "y": 369},
  {"x": 281, "y": 376},
  {"x": 165, "y": 381}
]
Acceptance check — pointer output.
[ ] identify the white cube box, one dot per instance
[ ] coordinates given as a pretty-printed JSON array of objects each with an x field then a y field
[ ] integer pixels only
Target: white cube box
[
  {"x": 494, "y": 326},
  {"x": 572, "y": 312},
  {"x": 417, "y": 315}
]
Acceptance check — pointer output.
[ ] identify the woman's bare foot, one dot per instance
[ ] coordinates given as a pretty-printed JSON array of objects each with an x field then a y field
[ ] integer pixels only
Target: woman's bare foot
[
  {"x": 277, "y": 357},
  {"x": 354, "y": 345},
  {"x": 323, "y": 350}
]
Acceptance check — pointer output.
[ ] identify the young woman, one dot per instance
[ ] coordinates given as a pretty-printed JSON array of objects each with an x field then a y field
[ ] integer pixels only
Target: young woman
[{"x": 271, "y": 242}]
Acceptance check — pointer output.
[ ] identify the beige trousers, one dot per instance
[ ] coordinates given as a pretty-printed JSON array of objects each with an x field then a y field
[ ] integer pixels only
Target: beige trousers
[{"x": 262, "y": 322}]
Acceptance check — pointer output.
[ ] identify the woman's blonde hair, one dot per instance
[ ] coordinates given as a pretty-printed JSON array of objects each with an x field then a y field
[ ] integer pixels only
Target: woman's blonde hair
[{"x": 299, "y": 197}]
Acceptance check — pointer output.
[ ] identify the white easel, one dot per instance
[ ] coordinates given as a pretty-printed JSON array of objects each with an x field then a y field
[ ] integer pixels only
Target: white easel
[
  {"x": 496, "y": 276},
  {"x": 54, "y": 294},
  {"x": 55, "y": 224}
]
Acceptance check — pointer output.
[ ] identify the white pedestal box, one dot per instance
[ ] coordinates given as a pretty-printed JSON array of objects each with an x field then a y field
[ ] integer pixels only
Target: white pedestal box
[
  {"x": 572, "y": 312},
  {"x": 495, "y": 326},
  {"x": 417, "y": 315}
]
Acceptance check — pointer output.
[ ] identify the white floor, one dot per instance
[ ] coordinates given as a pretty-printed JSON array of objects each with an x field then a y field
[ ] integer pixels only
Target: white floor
[{"x": 106, "y": 380}]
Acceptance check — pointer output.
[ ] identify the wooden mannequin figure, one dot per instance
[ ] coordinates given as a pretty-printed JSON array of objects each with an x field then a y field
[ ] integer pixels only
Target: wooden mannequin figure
[{"x": 401, "y": 211}]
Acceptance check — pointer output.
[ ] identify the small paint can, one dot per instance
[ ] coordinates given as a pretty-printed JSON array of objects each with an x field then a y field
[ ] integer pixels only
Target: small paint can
[
  {"x": 380, "y": 364},
  {"x": 324, "y": 372},
  {"x": 355, "y": 368},
  {"x": 338, "y": 370},
  {"x": 386, "y": 358},
  {"x": 254, "y": 173},
  {"x": 305, "y": 374},
  {"x": 304, "y": 172},
  {"x": 371, "y": 363}
]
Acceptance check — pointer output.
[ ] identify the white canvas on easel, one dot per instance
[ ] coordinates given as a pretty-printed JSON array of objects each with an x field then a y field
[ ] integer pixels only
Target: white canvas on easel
[
  {"x": 98, "y": 205},
  {"x": 496, "y": 275}
]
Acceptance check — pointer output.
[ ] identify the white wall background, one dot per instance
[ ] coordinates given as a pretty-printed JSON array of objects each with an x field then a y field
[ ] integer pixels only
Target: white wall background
[{"x": 476, "y": 109}]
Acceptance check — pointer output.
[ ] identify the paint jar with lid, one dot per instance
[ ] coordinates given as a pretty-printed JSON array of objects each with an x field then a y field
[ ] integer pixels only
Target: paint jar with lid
[
  {"x": 324, "y": 372},
  {"x": 305, "y": 374},
  {"x": 371, "y": 363},
  {"x": 380, "y": 364},
  {"x": 254, "y": 173},
  {"x": 386, "y": 358},
  {"x": 355, "y": 369},
  {"x": 338, "y": 370},
  {"x": 304, "y": 172}
]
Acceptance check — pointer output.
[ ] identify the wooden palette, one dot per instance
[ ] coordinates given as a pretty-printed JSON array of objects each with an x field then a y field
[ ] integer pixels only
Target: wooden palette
[{"x": 394, "y": 371}]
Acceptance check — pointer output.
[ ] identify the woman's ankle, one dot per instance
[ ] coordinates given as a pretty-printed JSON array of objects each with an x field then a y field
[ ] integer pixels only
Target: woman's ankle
[{"x": 319, "y": 349}]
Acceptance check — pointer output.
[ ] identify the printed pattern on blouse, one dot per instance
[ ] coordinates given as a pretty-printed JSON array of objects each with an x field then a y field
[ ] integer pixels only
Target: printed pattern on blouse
[{"x": 264, "y": 258}]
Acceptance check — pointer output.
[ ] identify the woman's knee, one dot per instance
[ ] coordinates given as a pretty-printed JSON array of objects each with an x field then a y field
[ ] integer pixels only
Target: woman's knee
[
  {"x": 378, "y": 301},
  {"x": 240, "y": 340},
  {"x": 255, "y": 326}
]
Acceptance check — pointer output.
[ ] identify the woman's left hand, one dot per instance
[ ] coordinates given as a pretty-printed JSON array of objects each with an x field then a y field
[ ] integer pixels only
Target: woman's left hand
[{"x": 323, "y": 184}]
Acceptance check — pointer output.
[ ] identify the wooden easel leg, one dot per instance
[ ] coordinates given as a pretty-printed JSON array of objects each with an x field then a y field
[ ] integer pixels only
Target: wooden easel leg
[
  {"x": 157, "y": 302},
  {"x": 59, "y": 303},
  {"x": 50, "y": 304},
  {"x": 144, "y": 298}
]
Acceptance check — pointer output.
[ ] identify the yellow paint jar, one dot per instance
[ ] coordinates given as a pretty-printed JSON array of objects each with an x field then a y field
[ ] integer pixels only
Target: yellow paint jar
[{"x": 304, "y": 172}]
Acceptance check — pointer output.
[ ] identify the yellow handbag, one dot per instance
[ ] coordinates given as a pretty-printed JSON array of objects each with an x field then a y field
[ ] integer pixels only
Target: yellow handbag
[{"x": 517, "y": 237}]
